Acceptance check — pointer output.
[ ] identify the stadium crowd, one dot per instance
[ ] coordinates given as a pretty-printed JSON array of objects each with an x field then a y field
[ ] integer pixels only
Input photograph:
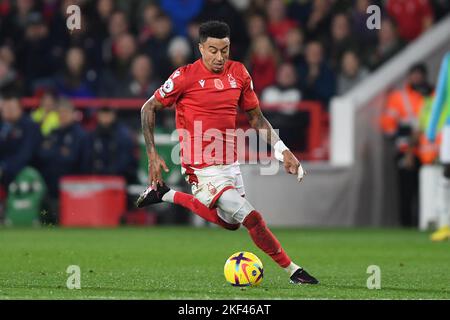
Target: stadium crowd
[
  {"x": 294, "y": 51},
  {"x": 126, "y": 48}
]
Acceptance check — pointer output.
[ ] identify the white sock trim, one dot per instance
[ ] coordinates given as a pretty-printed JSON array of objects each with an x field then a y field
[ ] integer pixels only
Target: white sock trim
[
  {"x": 169, "y": 196},
  {"x": 290, "y": 269}
]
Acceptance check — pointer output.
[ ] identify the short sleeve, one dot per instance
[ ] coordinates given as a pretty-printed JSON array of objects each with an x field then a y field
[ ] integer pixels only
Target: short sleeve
[
  {"x": 171, "y": 90},
  {"x": 248, "y": 99}
]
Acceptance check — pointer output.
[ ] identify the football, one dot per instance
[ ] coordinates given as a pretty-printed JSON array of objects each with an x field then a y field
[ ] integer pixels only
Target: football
[{"x": 243, "y": 269}]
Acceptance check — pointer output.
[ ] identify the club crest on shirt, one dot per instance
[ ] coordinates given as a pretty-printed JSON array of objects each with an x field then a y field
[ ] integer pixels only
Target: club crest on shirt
[
  {"x": 218, "y": 84},
  {"x": 212, "y": 190},
  {"x": 232, "y": 81}
]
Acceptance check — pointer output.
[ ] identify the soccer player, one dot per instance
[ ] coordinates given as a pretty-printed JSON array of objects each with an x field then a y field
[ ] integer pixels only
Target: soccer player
[
  {"x": 441, "y": 105},
  {"x": 207, "y": 94}
]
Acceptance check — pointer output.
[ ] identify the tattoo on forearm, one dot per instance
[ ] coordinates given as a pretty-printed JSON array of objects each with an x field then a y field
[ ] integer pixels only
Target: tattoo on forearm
[
  {"x": 260, "y": 123},
  {"x": 148, "y": 125}
]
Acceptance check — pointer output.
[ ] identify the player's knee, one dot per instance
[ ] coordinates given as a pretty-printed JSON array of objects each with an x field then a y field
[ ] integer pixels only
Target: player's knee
[
  {"x": 234, "y": 205},
  {"x": 447, "y": 171},
  {"x": 253, "y": 219}
]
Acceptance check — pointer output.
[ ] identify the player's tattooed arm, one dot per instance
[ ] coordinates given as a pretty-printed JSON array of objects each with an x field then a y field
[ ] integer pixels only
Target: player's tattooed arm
[
  {"x": 265, "y": 129},
  {"x": 155, "y": 162},
  {"x": 262, "y": 125}
]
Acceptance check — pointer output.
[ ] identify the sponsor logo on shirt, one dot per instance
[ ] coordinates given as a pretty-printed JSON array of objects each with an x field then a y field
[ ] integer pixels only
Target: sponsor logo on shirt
[{"x": 202, "y": 83}]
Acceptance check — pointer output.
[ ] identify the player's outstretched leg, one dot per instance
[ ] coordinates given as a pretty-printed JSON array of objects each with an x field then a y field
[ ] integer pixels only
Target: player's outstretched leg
[
  {"x": 267, "y": 242},
  {"x": 241, "y": 210},
  {"x": 164, "y": 194}
]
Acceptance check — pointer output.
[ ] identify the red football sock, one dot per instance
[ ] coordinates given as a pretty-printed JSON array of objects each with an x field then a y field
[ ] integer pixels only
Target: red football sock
[
  {"x": 265, "y": 240},
  {"x": 190, "y": 202}
]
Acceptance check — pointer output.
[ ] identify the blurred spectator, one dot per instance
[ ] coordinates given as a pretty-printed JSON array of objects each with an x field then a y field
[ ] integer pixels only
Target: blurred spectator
[
  {"x": 111, "y": 147},
  {"x": 319, "y": 19},
  {"x": 117, "y": 26},
  {"x": 103, "y": 11},
  {"x": 193, "y": 37},
  {"x": 149, "y": 15},
  {"x": 7, "y": 55},
  {"x": 278, "y": 23},
  {"x": 279, "y": 103},
  {"x": 49, "y": 9},
  {"x": 388, "y": 44},
  {"x": 116, "y": 74},
  {"x": 157, "y": 46},
  {"x": 46, "y": 115},
  {"x": 399, "y": 122},
  {"x": 181, "y": 12},
  {"x": 240, "y": 5},
  {"x": 284, "y": 95},
  {"x": 412, "y": 17},
  {"x": 256, "y": 26},
  {"x": 142, "y": 82},
  {"x": 262, "y": 63},
  {"x": 317, "y": 81},
  {"x": 19, "y": 139},
  {"x": 35, "y": 47},
  {"x": 63, "y": 151},
  {"x": 18, "y": 19},
  {"x": 223, "y": 10},
  {"x": 257, "y": 6},
  {"x": 299, "y": 10},
  {"x": 179, "y": 52},
  {"x": 351, "y": 72},
  {"x": 9, "y": 78},
  {"x": 341, "y": 39},
  {"x": 364, "y": 36},
  {"x": 294, "y": 46},
  {"x": 76, "y": 81},
  {"x": 89, "y": 37}
]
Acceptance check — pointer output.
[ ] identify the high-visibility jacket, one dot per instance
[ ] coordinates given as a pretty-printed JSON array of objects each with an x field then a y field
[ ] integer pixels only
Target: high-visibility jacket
[
  {"x": 47, "y": 121},
  {"x": 400, "y": 117}
]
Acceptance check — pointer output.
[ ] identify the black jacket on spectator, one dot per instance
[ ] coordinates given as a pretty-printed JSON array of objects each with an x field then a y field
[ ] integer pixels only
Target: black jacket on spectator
[
  {"x": 111, "y": 152},
  {"x": 18, "y": 145},
  {"x": 63, "y": 152},
  {"x": 322, "y": 88}
]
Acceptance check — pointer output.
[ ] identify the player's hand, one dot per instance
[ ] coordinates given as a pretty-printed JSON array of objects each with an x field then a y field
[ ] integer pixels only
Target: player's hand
[
  {"x": 292, "y": 165},
  {"x": 155, "y": 163}
]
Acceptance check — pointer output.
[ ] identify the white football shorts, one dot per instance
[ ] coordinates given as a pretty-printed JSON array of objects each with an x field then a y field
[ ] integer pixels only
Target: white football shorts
[{"x": 209, "y": 183}]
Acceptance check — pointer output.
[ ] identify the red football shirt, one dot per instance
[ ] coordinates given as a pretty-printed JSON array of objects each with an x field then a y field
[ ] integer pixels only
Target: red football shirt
[{"x": 206, "y": 109}]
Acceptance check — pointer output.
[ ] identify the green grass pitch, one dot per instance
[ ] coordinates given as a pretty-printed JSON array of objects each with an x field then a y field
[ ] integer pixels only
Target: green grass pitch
[{"x": 187, "y": 263}]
